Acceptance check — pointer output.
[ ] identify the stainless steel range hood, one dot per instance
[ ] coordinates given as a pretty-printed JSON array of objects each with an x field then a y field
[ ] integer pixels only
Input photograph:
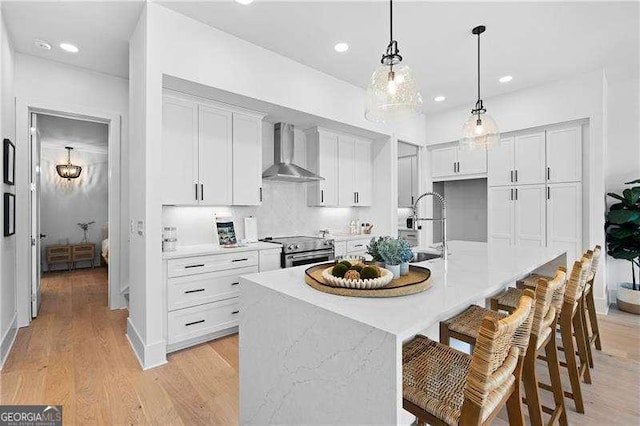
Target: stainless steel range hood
[{"x": 283, "y": 168}]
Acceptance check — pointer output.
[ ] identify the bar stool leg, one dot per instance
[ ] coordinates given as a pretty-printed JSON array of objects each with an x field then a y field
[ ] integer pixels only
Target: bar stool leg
[
  {"x": 551, "y": 352},
  {"x": 444, "y": 333},
  {"x": 585, "y": 331},
  {"x": 572, "y": 366},
  {"x": 514, "y": 407},
  {"x": 582, "y": 346},
  {"x": 591, "y": 306},
  {"x": 530, "y": 380}
]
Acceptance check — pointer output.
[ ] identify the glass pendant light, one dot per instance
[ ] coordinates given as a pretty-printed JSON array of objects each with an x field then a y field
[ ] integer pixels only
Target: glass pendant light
[
  {"x": 68, "y": 171},
  {"x": 392, "y": 93},
  {"x": 480, "y": 131}
]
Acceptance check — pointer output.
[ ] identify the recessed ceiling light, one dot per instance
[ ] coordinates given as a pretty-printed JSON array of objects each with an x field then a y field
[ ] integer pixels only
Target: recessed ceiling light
[
  {"x": 41, "y": 44},
  {"x": 341, "y": 47},
  {"x": 505, "y": 79},
  {"x": 439, "y": 98},
  {"x": 244, "y": 2},
  {"x": 68, "y": 47}
]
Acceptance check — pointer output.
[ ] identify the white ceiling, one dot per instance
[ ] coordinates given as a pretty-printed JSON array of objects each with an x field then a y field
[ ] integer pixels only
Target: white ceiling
[
  {"x": 536, "y": 42},
  {"x": 58, "y": 132},
  {"x": 100, "y": 29}
]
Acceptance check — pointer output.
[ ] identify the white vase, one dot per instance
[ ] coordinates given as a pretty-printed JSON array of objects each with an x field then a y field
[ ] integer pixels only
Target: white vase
[
  {"x": 628, "y": 299},
  {"x": 395, "y": 270},
  {"x": 404, "y": 268}
]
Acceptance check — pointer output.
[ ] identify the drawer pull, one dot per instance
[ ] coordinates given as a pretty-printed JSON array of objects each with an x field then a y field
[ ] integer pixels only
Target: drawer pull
[
  {"x": 359, "y": 245},
  {"x": 194, "y": 291},
  {"x": 200, "y": 265},
  {"x": 235, "y": 312},
  {"x": 194, "y": 322},
  {"x": 235, "y": 283},
  {"x": 244, "y": 259}
]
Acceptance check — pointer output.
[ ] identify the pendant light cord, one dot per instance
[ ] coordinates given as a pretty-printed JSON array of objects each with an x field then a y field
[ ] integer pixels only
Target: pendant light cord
[
  {"x": 478, "y": 67},
  {"x": 390, "y": 20}
]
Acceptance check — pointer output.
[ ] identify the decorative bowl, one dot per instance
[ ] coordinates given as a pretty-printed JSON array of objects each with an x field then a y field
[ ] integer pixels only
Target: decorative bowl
[{"x": 384, "y": 279}]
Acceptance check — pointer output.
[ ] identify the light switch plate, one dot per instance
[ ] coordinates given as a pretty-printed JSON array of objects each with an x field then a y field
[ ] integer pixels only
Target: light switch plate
[{"x": 140, "y": 228}]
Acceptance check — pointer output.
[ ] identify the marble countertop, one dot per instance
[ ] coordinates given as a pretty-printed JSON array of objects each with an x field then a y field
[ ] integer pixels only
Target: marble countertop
[
  {"x": 474, "y": 271},
  {"x": 207, "y": 249}
]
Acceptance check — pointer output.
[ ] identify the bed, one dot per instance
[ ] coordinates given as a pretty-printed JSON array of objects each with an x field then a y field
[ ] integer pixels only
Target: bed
[{"x": 104, "y": 248}]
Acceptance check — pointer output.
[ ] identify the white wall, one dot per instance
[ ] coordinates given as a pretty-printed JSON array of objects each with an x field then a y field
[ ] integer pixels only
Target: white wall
[
  {"x": 51, "y": 82},
  {"x": 582, "y": 97},
  {"x": 622, "y": 157},
  {"x": 8, "y": 282},
  {"x": 65, "y": 203}
]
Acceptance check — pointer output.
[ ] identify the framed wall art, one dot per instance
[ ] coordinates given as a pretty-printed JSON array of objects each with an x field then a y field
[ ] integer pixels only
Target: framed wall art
[
  {"x": 9, "y": 214},
  {"x": 8, "y": 162}
]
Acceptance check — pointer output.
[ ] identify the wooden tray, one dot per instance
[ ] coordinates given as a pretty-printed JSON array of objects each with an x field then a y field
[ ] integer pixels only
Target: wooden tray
[{"x": 415, "y": 282}]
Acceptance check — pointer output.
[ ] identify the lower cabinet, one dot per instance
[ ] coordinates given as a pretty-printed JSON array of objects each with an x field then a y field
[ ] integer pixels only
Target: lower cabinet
[
  {"x": 410, "y": 236},
  {"x": 188, "y": 324},
  {"x": 353, "y": 247}
]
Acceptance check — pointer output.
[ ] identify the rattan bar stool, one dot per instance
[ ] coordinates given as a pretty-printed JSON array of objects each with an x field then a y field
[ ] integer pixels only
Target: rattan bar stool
[
  {"x": 443, "y": 386},
  {"x": 592, "y": 331},
  {"x": 542, "y": 339}
]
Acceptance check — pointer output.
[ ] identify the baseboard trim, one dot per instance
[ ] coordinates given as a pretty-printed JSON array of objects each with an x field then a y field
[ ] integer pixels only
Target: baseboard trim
[
  {"x": 149, "y": 356},
  {"x": 8, "y": 340},
  {"x": 602, "y": 305}
]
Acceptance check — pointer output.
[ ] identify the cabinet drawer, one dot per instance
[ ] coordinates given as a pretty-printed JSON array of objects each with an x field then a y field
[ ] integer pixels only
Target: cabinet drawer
[
  {"x": 211, "y": 263},
  {"x": 183, "y": 292},
  {"x": 193, "y": 322},
  {"x": 356, "y": 246}
]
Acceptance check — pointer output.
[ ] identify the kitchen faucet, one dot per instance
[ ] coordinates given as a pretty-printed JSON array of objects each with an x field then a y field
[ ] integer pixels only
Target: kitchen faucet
[{"x": 416, "y": 219}]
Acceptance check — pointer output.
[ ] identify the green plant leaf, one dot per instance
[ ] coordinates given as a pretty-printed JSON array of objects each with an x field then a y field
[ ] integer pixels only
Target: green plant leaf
[
  {"x": 624, "y": 254},
  {"x": 631, "y": 196},
  {"x": 632, "y": 182},
  {"x": 623, "y": 216},
  {"x": 614, "y": 195}
]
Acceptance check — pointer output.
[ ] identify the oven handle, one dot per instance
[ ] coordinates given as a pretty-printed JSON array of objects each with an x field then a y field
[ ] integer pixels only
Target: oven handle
[{"x": 311, "y": 255}]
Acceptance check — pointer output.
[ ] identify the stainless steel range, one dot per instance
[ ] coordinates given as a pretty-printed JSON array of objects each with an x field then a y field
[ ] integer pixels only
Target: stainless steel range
[{"x": 298, "y": 251}]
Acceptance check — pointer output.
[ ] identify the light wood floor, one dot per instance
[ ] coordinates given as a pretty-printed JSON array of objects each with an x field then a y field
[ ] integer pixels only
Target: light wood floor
[{"x": 76, "y": 354}]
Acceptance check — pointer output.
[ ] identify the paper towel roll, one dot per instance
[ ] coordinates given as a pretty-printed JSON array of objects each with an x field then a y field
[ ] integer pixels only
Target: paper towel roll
[{"x": 251, "y": 229}]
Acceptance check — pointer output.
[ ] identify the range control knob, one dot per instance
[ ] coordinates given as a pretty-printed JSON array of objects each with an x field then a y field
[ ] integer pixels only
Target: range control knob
[
  {"x": 290, "y": 247},
  {"x": 297, "y": 246}
]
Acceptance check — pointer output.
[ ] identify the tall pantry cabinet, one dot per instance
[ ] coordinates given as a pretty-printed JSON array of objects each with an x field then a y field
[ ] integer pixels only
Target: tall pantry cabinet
[{"x": 535, "y": 190}]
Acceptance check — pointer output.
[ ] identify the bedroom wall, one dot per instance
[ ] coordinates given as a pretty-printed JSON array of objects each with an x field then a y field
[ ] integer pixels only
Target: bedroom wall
[{"x": 65, "y": 203}]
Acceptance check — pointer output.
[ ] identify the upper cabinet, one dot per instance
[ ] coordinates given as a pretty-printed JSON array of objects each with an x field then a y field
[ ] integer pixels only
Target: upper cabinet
[
  {"x": 407, "y": 180},
  {"x": 451, "y": 162},
  {"x": 211, "y": 154},
  {"x": 345, "y": 163},
  {"x": 500, "y": 170},
  {"x": 529, "y": 159},
  {"x": 564, "y": 155}
]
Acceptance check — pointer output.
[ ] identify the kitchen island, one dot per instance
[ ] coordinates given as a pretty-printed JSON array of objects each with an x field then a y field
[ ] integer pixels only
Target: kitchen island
[{"x": 307, "y": 357}]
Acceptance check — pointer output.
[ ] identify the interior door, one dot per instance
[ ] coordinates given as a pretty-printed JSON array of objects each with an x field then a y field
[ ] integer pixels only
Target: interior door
[{"x": 34, "y": 209}]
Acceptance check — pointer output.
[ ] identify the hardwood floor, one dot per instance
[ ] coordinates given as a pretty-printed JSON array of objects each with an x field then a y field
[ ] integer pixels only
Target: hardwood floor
[{"x": 76, "y": 354}]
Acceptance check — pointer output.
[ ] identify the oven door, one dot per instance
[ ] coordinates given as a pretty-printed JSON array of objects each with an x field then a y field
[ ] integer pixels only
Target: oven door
[{"x": 297, "y": 259}]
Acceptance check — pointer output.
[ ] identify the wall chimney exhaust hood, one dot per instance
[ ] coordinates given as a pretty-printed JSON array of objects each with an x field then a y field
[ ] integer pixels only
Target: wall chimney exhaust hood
[{"x": 283, "y": 168}]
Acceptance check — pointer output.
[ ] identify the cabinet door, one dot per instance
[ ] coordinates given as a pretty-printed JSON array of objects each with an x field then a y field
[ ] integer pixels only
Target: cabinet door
[
  {"x": 247, "y": 160},
  {"x": 346, "y": 172},
  {"x": 501, "y": 215},
  {"x": 216, "y": 156},
  {"x": 530, "y": 218},
  {"x": 443, "y": 161},
  {"x": 500, "y": 166},
  {"x": 363, "y": 176},
  {"x": 328, "y": 169},
  {"x": 529, "y": 158},
  {"x": 179, "y": 151},
  {"x": 405, "y": 184},
  {"x": 564, "y": 155},
  {"x": 564, "y": 218},
  {"x": 472, "y": 161}
]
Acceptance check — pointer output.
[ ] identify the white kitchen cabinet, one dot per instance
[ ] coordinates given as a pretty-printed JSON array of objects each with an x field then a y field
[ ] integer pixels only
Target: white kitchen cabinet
[
  {"x": 443, "y": 162},
  {"x": 322, "y": 159},
  {"x": 215, "y": 148},
  {"x": 530, "y": 208},
  {"x": 529, "y": 159},
  {"x": 270, "y": 260},
  {"x": 501, "y": 215},
  {"x": 247, "y": 160},
  {"x": 500, "y": 163},
  {"x": 346, "y": 174},
  {"x": 179, "y": 151},
  {"x": 363, "y": 172},
  {"x": 452, "y": 162},
  {"x": 410, "y": 236},
  {"x": 564, "y": 218},
  {"x": 564, "y": 155},
  {"x": 407, "y": 181}
]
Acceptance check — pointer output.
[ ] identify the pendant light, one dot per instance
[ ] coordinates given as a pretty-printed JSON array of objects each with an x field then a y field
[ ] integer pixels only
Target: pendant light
[
  {"x": 68, "y": 171},
  {"x": 392, "y": 93},
  {"x": 480, "y": 131}
]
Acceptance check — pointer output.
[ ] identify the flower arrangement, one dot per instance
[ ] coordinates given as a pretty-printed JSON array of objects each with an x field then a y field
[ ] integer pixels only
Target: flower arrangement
[
  {"x": 393, "y": 251},
  {"x": 374, "y": 248},
  {"x": 407, "y": 253},
  {"x": 85, "y": 228}
]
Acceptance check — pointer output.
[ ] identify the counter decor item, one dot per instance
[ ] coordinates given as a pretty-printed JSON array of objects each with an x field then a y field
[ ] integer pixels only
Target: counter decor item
[
  {"x": 356, "y": 274},
  {"x": 407, "y": 256},
  {"x": 251, "y": 229},
  {"x": 85, "y": 229},
  {"x": 623, "y": 231},
  {"x": 393, "y": 252},
  {"x": 169, "y": 239},
  {"x": 226, "y": 231},
  {"x": 415, "y": 282},
  {"x": 372, "y": 249}
]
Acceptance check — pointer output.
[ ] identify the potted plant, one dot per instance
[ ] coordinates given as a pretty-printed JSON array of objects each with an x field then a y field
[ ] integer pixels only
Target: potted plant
[
  {"x": 407, "y": 256},
  {"x": 623, "y": 242},
  {"x": 391, "y": 251},
  {"x": 373, "y": 250}
]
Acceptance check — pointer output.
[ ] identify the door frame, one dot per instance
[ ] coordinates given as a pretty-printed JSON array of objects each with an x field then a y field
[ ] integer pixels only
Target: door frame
[{"x": 24, "y": 108}]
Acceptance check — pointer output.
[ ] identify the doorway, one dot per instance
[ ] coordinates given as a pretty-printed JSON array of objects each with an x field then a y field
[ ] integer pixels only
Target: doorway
[{"x": 95, "y": 139}]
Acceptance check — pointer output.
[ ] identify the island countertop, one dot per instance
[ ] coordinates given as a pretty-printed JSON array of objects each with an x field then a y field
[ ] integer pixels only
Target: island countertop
[{"x": 474, "y": 271}]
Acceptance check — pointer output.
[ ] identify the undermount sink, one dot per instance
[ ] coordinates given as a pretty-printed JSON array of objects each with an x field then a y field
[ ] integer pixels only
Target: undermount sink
[{"x": 422, "y": 256}]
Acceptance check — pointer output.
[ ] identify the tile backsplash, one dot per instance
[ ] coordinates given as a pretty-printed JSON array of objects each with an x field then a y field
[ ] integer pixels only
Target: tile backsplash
[{"x": 284, "y": 212}]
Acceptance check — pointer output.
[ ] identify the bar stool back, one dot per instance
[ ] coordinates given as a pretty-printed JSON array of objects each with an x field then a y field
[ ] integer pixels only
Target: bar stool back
[{"x": 592, "y": 331}]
